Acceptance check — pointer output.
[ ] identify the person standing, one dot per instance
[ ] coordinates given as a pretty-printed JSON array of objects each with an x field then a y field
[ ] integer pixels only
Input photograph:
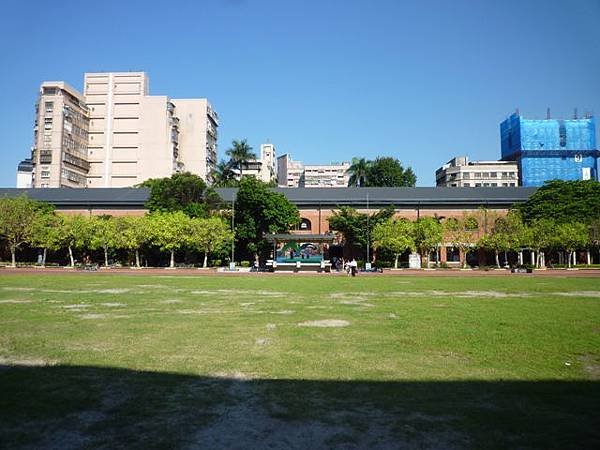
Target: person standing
[{"x": 353, "y": 266}]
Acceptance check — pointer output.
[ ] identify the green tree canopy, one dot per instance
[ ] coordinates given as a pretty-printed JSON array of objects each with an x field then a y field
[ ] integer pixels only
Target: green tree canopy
[
  {"x": 103, "y": 234},
  {"x": 182, "y": 192},
  {"x": 17, "y": 218},
  {"x": 564, "y": 202},
  {"x": 209, "y": 234},
  {"x": 388, "y": 172},
  {"x": 170, "y": 231},
  {"x": 357, "y": 228},
  {"x": 258, "y": 211},
  {"x": 239, "y": 154},
  {"x": 45, "y": 232},
  {"x": 75, "y": 233},
  {"x": 428, "y": 234},
  {"x": 358, "y": 172},
  {"x": 395, "y": 236},
  {"x": 132, "y": 233}
]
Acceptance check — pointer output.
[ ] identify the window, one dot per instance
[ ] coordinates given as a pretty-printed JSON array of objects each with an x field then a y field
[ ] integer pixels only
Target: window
[
  {"x": 562, "y": 133},
  {"x": 467, "y": 184},
  {"x": 477, "y": 184},
  {"x": 493, "y": 174},
  {"x": 45, "y": 174},
  {"x": 466, "y": 175},
  {"x": 452, "y": 254},
  {"x": 493, "y": 184},
  {"x": 477, "y": 174},
  {"x": 49, "y": 107}
]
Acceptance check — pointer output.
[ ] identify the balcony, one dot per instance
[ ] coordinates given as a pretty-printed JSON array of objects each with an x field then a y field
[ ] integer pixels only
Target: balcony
[
  {"x": 76, "y": 161},
  {"x": 45, "y": 156}
]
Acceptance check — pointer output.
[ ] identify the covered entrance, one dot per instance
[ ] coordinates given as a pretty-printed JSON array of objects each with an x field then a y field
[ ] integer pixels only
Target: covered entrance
[{"x": 300, "y": 252}]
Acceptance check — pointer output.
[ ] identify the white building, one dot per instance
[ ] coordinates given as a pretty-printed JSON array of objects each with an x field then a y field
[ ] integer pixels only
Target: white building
[
  {"x": 460, "y": 172},
  {"x": 292, "y": 173},
  {"x": 262, "y": 168},
  {"x": 24, "y": 174},
  {"x": 117, "y": 135}
]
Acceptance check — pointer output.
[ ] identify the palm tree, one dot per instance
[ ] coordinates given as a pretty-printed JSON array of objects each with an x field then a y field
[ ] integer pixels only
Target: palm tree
[
  {"x": 240, "y": 153},
  {"x": 223, "y": 174},
  {"x": 358, "y": 172}
]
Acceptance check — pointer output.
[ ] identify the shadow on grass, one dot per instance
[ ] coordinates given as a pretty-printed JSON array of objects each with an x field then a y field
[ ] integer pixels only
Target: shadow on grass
[{"x": 92, "y": 407}]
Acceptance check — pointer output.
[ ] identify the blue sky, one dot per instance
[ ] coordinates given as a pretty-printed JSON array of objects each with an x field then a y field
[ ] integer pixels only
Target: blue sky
[{"x": 323, "y": 80}]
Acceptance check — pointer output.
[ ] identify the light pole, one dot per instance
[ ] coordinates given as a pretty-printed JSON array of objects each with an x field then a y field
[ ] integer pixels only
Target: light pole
[
  {"x": 232, "y": 262},
  {"x": 368, "y": 261}
]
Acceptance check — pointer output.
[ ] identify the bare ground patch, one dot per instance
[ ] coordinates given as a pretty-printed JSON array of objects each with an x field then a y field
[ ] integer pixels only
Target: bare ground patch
[
  {"x": 594, "y": 294},
  {"x": 325, "y": 323},
  {"x": 14, "y": 302},
  {"x": 591, "y": 366}
]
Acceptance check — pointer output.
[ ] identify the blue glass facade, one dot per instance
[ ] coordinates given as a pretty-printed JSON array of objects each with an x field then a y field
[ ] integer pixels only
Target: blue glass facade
[{"x": 550, "y": 149}]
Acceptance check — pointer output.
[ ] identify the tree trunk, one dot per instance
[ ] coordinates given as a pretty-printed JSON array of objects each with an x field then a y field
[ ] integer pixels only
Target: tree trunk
[
  {"x": 13, "y": 255},
  {"x": 589, "y": 257},
  {"x": 172, "y": 259},
  {"x": 570, "y": 259},
  {"x": 396, "y": 261},
  {"x": 105, "y": 256},
  {"x": 532, "y": 257},
  {"x": 205, "y": 263},
  {"x": 71, "y": 256},
  {"x": 497, "y": 258},
  {"x": 137, "y": 258},
  {"x": 44, "y": 257},
  {"x": 520, "y": 257}
]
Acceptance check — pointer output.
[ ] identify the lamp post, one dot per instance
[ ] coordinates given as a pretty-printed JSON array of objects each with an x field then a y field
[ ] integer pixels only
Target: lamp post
[
  {"x": 232, "y": 262},
  {"x": 368, "y": 261}
]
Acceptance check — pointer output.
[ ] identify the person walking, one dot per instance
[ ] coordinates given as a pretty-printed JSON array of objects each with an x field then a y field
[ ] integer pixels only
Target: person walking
[{"x": 353, "y": 266}]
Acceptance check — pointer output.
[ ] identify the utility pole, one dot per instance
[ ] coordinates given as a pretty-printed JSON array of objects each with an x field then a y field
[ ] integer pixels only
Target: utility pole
[
  {"x": 368, "y": 261},
  {"x": 232, "y": 262}
]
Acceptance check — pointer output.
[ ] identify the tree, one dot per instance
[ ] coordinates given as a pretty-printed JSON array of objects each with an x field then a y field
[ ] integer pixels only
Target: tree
[
  {"x": 571, "y": 237},
  {"x": 395, "y": 236},
  {"x": 74, "y": 233},
  {"x": 388, "y": 172},
  {"x": 461, "y": 234},
  {"x": 103, "y": 234},
  {"x": 45, "y": 232},
  {"x": 17, "y": 216},
  {"x": 428, "y": 234},
  {"x": 358, "y": 172},
  {"x": 239, "y": 154},
  {"x": 538, "y": 236},
  {"x": 170, "y": 231},
  {"x": 182, "y": 192},
  {"x": 208, "y": 234},
  {"x": 132, "y": 233},
  {"x": 357, "y": 228},
  {"x": 564, "y": 202},
  {"x": 258, "y": 211},
  {"x": 507, "y": 234},
  {"x": 223, "y": 175}
]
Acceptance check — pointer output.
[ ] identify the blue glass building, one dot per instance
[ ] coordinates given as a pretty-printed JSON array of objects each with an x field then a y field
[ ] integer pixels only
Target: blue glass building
[{"x": 550, "y": 149}]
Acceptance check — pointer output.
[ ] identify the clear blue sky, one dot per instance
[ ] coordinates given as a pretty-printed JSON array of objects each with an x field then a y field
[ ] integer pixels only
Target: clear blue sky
[{"x": 323, "y": 80}]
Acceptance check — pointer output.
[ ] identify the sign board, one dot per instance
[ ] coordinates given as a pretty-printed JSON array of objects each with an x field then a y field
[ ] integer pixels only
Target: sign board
[{"x": 414, "y": 261}]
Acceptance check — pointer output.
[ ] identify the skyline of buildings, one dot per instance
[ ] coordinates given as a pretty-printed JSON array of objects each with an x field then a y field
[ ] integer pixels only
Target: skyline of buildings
[{"x": 116, "y": 134}]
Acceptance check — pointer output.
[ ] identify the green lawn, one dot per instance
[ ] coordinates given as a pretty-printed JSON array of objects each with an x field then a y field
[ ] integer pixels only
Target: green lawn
[{"x": 95, "y": 360}]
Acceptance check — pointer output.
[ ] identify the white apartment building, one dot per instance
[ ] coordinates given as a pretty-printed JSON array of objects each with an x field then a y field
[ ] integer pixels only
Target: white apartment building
[
  {"x": 117, "y": 135},
  {"x": 292, "y": 173},
  {"x": 289, "y": 172},
  {"x": 59, "y": 152},
  {"x": 135, "y": 136},
  {"x": 326, "y": 175},
  {"x": 460, "y": 172},
  {"x": 263, "y": 168},
  {"x": 24, "y": 174}
]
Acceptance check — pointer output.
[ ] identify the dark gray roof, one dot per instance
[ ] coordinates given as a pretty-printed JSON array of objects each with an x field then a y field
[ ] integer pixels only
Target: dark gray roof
[
  {"x": 436, "y": 197},
  {"x": 77, "y": 198},
  {"x": 417, "y": 196}
]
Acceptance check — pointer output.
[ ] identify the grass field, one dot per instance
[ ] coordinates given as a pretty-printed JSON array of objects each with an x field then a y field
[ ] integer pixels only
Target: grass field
[{"x": 117, "y": 361}]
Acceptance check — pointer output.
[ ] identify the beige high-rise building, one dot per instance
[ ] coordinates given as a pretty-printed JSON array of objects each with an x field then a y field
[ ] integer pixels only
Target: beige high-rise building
[
  {"x": 292, "y": 173},
  {"x": 59, "y": 153},
  {"x": 117, "y": 135}
]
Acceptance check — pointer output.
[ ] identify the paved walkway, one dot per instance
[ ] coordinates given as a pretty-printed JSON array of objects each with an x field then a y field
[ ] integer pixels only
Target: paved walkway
[{"x": 211, "y": 272}]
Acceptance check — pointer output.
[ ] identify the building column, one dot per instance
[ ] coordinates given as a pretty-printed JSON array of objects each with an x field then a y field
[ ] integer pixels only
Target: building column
[
  {"x": 532, "y": 257},
  {"x": 520, "y": 257}
]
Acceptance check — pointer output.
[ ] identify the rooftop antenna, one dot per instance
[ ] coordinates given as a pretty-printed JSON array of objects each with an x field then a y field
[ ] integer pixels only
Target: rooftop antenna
[
  {"x": 548, "y": 113},
  {"x": 575, "y": 114}
]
